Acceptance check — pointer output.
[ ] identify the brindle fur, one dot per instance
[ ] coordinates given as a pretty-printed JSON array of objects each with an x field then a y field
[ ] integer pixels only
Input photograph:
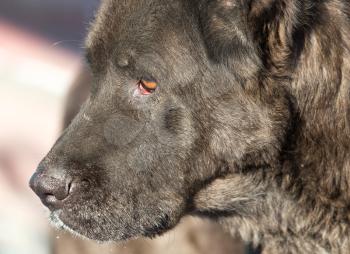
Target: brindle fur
[{"x": 250, "y": 126}]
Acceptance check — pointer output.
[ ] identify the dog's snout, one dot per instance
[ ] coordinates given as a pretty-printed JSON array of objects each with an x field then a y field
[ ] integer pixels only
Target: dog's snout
[{"x": 52, "y": 189}]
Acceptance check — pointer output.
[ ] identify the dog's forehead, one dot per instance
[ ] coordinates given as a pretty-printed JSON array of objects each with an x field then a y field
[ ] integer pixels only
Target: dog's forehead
[{"x": 131, "y": 20}]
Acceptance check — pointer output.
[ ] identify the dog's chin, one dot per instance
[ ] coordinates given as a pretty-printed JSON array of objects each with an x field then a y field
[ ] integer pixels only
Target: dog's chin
[{"x": 58, "y": 221}]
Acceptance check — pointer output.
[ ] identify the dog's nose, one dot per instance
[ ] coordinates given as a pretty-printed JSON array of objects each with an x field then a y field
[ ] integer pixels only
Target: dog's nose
[{"x": 52, "y": 189}]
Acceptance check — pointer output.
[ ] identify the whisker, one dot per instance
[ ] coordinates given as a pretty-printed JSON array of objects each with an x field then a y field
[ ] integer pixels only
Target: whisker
[{"x": 58, "y": 43}]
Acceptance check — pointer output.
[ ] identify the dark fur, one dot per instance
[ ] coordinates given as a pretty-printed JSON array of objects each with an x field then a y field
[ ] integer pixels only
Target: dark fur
[{"x": 250, "y": 124}]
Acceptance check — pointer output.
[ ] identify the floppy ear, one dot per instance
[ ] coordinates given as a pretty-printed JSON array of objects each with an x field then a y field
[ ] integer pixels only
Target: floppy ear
[{"x": 260, "y": 33}]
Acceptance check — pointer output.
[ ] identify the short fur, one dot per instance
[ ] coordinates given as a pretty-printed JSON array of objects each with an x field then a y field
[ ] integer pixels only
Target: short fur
[{"x": 250, "y": 124}]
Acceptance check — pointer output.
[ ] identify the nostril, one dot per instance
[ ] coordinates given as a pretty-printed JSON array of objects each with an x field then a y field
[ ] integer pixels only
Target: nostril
[
  {"x": 75, "y": 186},
  {"x": 69, "y": 188}
]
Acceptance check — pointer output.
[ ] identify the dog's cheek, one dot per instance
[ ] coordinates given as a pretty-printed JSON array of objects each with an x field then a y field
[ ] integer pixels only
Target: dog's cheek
[{"x": 240, "y": 130}]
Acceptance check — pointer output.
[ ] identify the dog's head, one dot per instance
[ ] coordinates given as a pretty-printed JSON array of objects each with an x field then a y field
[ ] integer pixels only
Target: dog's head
[{"x": 177, "y": 101}]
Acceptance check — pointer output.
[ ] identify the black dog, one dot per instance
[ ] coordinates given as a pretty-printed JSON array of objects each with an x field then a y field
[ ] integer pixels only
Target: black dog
[{"x": 236, "y": 110}]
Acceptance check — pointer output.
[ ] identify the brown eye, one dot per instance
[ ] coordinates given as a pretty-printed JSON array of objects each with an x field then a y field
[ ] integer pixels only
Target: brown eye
[{"x": 147, "y": 87}]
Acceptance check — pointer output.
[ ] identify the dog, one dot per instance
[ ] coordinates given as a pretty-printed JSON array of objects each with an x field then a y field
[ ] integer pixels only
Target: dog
[{"x": 232, "y": 110}]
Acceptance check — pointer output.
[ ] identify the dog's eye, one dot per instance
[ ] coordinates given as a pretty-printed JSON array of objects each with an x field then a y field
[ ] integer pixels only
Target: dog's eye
[{"x": 146, "y": 87}]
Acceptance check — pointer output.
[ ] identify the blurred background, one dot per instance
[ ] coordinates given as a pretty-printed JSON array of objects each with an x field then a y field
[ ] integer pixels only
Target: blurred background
[{"x": 41, "y": 63}]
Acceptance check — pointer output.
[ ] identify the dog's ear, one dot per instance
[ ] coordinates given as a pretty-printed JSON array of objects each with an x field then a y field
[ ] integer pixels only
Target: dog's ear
[
  {"x": 226, "y": 33},
  {"x": 257, "y": 32}
]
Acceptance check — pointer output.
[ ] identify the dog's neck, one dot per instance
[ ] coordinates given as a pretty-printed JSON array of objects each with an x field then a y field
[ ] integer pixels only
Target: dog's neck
[{"x": 308, "y": 194}]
